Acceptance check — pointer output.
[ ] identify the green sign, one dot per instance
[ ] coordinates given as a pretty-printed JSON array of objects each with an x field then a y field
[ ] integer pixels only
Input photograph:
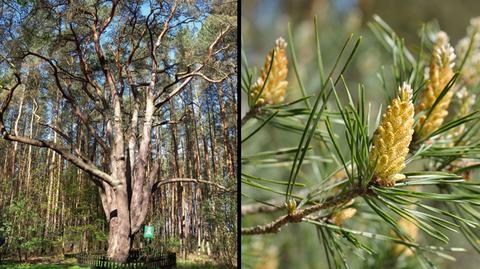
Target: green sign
[{"x": 148, "y": 232}]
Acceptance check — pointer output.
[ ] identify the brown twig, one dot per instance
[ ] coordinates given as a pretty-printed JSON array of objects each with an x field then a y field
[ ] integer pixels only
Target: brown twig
[
  {"x": 252, "y": 113},
  {"x": 261, "y": 208},
  {"x": 270, "y": 206},
  {"x": 188, "y": 180},
  {"x": 298, "y": 215}
]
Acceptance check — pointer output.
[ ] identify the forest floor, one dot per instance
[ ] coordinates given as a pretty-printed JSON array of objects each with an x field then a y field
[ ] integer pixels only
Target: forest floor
[
  {"x": 180, "y": 265},
  {"x": 70, "y": 264},
  {"x": 40, "y": 266}
]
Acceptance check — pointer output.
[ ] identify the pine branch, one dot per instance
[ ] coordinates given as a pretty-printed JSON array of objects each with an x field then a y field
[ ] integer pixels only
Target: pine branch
[
  {"x": 270, "y": 206},
  {"x": 253, "y": 113},
  {"x": 298, "y": 215}
]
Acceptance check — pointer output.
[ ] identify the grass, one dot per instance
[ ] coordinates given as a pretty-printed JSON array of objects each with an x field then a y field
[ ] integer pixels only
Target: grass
[
  {"x": 40, "y": 266},
  {"x": 195, "y": 265},
  {"x": 192, "y": 262},
  {"x": 180, "y": 265},
  {"x": 195, "y": 261},
  {"x": 50, "y": 263}
]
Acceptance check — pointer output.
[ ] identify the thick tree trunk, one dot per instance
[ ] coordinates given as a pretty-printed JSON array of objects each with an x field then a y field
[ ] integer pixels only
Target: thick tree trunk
[
  {"x": 119, "y": 233},
  {"x": 119, "y": 227}
]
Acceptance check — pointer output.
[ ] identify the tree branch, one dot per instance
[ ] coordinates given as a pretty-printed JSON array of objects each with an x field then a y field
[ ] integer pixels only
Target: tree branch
[
  {"x": 174, "y": 92},
  {"x": 58, "y": 131},
  {"x": 272, "y": 205},
  {"x": 252, "y": 113},
  {"x": 189, "y": 76},
  {"x": 87, "y": 73},
  {"x": 215, "y": 42},
  {"x": 212, "y": 80},
  {"x": 110, "y": 16},
  {"x": 7, "y": 102},
  {"x": 81, "y": 163},
  {"x": 187, "y": 180},
  {"x": 165, "y": 122},
  {"x": 66, "y": 94},
  {"x": 298, "y": 215}
]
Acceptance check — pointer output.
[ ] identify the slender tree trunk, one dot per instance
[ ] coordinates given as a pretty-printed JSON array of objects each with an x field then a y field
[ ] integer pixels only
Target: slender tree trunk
[
  {"x": 15, "y": 130},
  {"x": 212, "y": 139},
  {"x": 29, "y": 156},
  {"x": 15, "y": 179},
  {"x": 226, "y": 139},
  {"x": 57, "y": 193},
  {"x": 51, "y": 170}
]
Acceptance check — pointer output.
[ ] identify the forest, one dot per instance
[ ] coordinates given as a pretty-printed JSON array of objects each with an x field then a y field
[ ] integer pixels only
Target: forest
[{"x": 115, "y": 115}]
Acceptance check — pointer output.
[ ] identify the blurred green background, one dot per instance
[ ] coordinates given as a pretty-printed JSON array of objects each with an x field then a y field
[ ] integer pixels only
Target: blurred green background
[
  {"x": 297, "y": 246},
  {"x": 264, "y": 21}
]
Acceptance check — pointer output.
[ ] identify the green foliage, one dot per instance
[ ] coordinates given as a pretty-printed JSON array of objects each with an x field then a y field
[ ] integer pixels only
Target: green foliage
[
  {"x": 211, "y": 28},
  {"x": 185, "y": 45},
  {"x": 24, "y": 239},
  {"x": 169, "y": 245},
  {"x": 93, "y": 230},
  {"x": 220, "y": 215}
]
